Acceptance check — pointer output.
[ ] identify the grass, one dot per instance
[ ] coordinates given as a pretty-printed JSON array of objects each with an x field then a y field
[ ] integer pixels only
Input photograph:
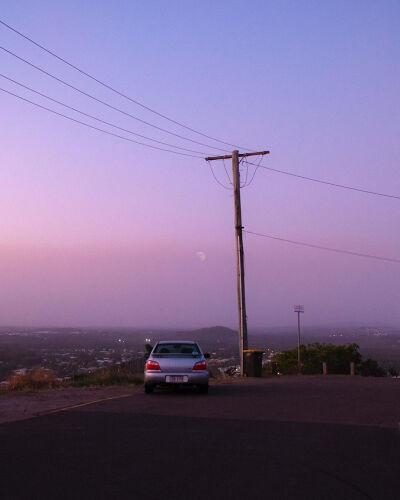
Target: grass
[
  {"x": 43, "y": 378},
  {"x": 106, "y": 377}
]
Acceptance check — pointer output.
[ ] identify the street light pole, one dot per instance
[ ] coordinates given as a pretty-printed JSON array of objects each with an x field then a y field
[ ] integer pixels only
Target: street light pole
[
  {"x": 298, "y": 344},
  {"x": 298, "y": 309}
]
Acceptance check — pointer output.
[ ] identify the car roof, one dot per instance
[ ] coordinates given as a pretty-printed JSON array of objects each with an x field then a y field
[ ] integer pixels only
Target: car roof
[{"x": 177, "y": 342}]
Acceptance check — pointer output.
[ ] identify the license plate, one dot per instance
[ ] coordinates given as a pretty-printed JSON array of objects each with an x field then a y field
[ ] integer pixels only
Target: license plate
[{"x": 176, "y": 379}]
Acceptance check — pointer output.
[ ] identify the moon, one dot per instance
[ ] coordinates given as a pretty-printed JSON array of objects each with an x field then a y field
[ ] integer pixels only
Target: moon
[{"x": 201, "y": 256}]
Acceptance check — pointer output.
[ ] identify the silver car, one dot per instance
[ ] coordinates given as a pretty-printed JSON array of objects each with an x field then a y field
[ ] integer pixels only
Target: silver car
[{"x": 176, "y": 362}]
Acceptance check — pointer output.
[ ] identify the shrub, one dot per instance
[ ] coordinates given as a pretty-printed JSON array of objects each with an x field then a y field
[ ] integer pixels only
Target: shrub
[
  {"x": 338, "y": 358},
  {"x": 37, "y": 378},
  {"x": 270, "y": 369},
  {"x": 370, "y": 368}
]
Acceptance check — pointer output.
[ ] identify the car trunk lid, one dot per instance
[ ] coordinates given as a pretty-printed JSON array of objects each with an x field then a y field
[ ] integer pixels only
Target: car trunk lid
[{"x": 176, "y": 363}]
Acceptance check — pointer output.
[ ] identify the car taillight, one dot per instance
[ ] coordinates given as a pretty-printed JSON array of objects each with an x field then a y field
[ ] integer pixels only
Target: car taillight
[
  {"x": 200, "y": 365},
  {"x": 152, "y": 365}
]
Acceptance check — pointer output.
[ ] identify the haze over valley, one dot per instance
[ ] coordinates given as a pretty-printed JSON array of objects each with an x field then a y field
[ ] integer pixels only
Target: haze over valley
[{"x": 71, "y": 351}]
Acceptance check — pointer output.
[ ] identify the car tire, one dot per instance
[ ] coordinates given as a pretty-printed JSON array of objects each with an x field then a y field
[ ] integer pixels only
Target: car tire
[
  {"x": 203, "y": 389},
  {"x": 148, "y": 389}
]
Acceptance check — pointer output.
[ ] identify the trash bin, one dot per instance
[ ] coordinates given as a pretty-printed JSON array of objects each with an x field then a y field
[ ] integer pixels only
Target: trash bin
[{"x": 252, "y": 363}]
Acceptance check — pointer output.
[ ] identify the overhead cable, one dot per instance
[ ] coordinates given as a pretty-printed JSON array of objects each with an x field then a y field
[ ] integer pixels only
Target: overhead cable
[
  {"x": 106, "y": 103},
  {"x": 319, "y": 247},
  {"x": 343, "y": 186},
  {"x": 109, "y": 87},
  {"x": 247, "y": 184},
  {"x": 96, "y": 128},
  {"x": 226, "y": 171},
  {"x": 216, "y": 179},
  {"x": 96, "y": 118}
]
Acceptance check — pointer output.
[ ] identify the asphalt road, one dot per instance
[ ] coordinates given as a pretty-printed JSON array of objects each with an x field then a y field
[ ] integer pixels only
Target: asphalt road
[{"x": 291, "y": 439}]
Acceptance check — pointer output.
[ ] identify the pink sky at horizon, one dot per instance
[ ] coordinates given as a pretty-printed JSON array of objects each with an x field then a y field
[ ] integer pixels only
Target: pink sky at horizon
[{"x": 96, "y": 231}]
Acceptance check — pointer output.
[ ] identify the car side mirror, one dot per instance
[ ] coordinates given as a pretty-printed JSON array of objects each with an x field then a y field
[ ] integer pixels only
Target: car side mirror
[{"x": 207, "y": 355}]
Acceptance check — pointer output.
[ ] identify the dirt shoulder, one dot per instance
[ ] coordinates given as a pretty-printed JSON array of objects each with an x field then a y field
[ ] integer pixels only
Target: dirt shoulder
[{"x": 22, "y": 405}]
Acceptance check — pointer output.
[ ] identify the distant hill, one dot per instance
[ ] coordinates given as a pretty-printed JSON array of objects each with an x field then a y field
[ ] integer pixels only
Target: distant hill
[{"x": 212, "y": 335}]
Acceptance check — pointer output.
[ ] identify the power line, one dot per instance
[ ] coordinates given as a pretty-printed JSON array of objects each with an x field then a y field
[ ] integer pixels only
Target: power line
[
  {"x": 216, "y": 179},
  {"x": 352, "y": 188},
  {"x": 247, "y": 175},
  {"x": 106, "y": 103},
  {"x": 319, "y": 247},
  {"x": 96, "y": 118},
  {"x": 115, "y": 90},
  {"x": 320, "y": 181},
  {"x": 96, "y": 128},
  {"x": 255, "y": 171},
  {"x": 226, "y": 171}
]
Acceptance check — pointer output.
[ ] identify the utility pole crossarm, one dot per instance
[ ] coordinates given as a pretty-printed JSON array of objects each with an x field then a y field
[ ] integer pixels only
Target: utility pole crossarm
[{"x": 240, "y": 155}]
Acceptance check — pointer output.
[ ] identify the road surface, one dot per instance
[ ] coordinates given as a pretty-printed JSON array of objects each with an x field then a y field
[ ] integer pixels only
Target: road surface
[{"x": 289, "y": 438}]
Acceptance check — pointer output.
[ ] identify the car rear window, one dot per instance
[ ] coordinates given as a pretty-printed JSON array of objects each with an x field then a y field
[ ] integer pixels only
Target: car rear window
[{"x": 176, "y": 348}]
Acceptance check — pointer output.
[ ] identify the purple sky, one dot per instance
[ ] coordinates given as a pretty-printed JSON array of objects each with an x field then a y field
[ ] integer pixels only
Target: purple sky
[{"x": 98, "y": 231}]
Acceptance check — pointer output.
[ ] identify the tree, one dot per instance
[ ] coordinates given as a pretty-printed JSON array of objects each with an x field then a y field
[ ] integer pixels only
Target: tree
[
  {"x": 338, "y": 358},
  {"x": 370, "y": 368}
]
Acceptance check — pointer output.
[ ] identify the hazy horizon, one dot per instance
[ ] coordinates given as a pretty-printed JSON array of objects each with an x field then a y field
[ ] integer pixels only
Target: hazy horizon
[
  {"x": 98, "y": 231},
  {"x": 266, "y": 328}
]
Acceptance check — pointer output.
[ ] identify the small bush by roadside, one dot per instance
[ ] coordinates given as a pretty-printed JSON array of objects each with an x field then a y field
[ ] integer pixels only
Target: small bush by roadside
[{"x": 34, "y": 379}]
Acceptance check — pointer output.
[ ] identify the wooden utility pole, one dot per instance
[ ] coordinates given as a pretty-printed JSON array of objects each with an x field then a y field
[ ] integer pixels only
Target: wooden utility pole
[{"x": 241, "y": 296}]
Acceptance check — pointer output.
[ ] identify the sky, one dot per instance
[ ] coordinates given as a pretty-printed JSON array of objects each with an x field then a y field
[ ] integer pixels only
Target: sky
[{"x": 99, "y": 231}]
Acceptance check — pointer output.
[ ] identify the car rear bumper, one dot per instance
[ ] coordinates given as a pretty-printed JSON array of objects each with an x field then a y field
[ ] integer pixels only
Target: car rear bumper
[{"x": 193, "y": 378}]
